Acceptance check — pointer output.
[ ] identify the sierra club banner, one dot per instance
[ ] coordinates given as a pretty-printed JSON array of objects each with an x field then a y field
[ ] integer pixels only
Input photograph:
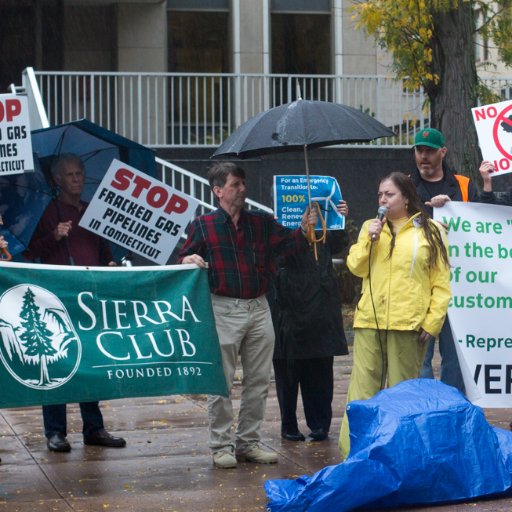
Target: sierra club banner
[
  {"x": 80, "y": 334},
  {"x": 480, "y": 239}
]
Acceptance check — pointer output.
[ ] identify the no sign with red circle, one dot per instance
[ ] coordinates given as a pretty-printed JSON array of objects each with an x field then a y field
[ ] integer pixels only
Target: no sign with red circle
[{"x": 494, "y": 128}]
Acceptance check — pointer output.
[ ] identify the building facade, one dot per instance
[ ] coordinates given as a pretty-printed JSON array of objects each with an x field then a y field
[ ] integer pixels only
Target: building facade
[{"x": 218, "y": 36}]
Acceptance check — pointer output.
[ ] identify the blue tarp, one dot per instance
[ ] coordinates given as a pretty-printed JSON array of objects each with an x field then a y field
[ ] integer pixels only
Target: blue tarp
[{"x": 419, "y": 442}]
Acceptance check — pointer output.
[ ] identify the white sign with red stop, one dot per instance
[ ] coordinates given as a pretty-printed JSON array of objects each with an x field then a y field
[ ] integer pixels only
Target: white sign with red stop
[
  {"x": 139, "y": 212},
  {"x": 15, "y": 142}
]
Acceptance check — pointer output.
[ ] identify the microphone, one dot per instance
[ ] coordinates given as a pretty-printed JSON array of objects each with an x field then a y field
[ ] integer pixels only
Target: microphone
[{"x": 381, "y": 213}]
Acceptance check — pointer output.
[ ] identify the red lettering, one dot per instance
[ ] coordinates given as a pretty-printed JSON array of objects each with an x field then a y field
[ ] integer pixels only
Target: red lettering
[
  {"x": 479, "y": 114},
  {"x": 11, "y": 109},
  {"x": 176, "y": 204},
  {"x": 157, "y": 196},
  {"x": 502, "y": 164},
  {"x": 140, "y": 185},
  {"x": 484, "y": 112},
  {"x": 122, "y": 179}
]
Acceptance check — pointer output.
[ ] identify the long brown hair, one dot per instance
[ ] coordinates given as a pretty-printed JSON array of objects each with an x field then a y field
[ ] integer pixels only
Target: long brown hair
[{"x": 414, "y": 205}]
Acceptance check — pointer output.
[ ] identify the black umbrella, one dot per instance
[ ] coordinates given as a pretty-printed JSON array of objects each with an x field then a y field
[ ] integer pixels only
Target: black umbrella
[
  {"x": 292, "y": 126},
  {"x": 301, "y": 125}
]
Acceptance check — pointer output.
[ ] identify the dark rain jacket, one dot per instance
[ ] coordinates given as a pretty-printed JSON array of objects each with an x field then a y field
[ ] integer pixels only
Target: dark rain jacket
[
  {"x": 307, "y": 306},
  {"x": 490, "y": 197}
]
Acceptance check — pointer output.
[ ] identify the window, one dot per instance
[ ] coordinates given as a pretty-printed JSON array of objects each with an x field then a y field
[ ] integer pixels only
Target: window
[
  {"x": 301, "y": 45},
  {"x": 198, "y": 43}
]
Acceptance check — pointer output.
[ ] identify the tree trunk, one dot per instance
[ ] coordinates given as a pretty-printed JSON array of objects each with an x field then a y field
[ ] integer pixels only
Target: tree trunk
[{"x": 452, "y": 99}]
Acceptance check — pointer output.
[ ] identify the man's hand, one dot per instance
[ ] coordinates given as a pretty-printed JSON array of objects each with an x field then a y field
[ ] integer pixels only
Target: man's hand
[
  {"x": 342, "y": 208},
  {"x": 309, "y": 218},
  {"x": 62, "y": 230},
  {"x": 438, "y": 201},
  {"x": 424, "y": 336},
  {"x": 486, "y": 169},
  {"x": 194, "y": 259}
]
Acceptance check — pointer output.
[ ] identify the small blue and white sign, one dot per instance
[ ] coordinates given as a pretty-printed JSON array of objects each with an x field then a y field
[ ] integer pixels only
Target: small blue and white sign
[{"x": 291, "y": 199}]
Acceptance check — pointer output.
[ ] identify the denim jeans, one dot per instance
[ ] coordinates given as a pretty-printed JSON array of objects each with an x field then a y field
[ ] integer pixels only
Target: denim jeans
[{"x": 450, "y": 368}]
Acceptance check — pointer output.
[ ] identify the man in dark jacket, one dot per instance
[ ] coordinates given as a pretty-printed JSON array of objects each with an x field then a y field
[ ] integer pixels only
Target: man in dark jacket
[{"x": 436, "y": 185}]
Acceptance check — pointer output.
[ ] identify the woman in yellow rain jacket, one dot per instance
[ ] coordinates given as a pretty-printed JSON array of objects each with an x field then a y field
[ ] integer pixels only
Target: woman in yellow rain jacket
[{"x": 403, "y": 260}]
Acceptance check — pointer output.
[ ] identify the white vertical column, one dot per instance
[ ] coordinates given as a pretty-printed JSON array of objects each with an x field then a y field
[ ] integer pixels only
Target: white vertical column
[
  {"x": 235, "y": 14},
  {"x": 266, "y": 52},
  {"x": 337, "y": 7}
]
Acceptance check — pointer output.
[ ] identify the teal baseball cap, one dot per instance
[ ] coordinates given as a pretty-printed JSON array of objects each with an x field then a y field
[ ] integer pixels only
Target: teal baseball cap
[{"x": 429, "y": 137}]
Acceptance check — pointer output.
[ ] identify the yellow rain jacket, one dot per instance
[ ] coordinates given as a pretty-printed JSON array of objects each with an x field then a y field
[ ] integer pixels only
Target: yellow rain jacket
[{"x": 407, "y": 293}]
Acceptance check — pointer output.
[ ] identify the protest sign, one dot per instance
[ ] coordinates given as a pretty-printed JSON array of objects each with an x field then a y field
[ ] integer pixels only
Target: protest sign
[
  {"x": 80, "y": 334},
  {"x": 494, "y": 129},
  {"x": 139, "y": 212},
  {"x": 15, "y": 142},
  {"x": 480, "y": 240},
  {"x": 291, "y": 199}
]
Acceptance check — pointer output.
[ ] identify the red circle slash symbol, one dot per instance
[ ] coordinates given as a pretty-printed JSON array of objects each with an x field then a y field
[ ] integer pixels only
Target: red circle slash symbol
[{"x": 501, "y": 118}]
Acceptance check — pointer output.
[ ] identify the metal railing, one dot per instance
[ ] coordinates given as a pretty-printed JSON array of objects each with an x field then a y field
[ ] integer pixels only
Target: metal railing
[{"x": 203, "y": 109}]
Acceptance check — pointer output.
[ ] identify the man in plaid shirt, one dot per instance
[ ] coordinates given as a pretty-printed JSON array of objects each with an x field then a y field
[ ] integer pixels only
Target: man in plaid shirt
[{"x": 237, "y": 247}]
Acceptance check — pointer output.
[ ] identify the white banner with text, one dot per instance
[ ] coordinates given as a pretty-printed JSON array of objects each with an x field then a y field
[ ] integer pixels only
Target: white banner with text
[{"x": 480, "y": 239}]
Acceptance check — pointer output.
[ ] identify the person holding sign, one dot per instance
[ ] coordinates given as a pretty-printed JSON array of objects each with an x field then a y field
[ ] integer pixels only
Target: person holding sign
[
  {"x": 238, "y": 246},
  {"x": 436, "y": 185},
  {"x": 403, "y": 261},
  {"x": 309, "y": 333},
  {"x": 59, "y": 240}
]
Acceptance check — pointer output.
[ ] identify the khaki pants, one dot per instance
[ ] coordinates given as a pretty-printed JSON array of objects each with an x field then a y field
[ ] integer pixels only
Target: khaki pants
[
  {"x": 402, "y": 355},
  {"x": 244, "y": 328}
]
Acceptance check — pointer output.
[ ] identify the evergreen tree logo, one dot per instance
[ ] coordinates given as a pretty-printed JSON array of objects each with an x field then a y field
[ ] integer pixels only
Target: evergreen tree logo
[{"x": 39, "y": 345}]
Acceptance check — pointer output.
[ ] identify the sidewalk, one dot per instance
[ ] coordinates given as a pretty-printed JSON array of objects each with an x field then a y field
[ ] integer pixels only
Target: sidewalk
[{"x": 166, "y": 465}]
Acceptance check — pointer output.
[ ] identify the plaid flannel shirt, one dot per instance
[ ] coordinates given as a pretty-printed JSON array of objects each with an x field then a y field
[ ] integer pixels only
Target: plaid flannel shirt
[{"x": 240, "y": 259}]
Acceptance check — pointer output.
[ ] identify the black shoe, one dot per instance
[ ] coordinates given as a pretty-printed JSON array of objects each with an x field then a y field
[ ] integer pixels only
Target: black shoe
[
  {"x": 58, "y": 443},
  {"x": 319, "y": 435},
  {"x": 103, "y": 438},
  {"x": 293, "y": 437}
]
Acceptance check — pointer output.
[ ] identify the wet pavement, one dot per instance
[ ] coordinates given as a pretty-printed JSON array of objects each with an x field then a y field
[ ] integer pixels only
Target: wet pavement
[{"x": 166, "y": 465}]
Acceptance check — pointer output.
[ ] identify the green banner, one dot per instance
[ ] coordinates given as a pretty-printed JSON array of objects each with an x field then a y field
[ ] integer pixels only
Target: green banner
[{"x": 79, "y": 334}]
